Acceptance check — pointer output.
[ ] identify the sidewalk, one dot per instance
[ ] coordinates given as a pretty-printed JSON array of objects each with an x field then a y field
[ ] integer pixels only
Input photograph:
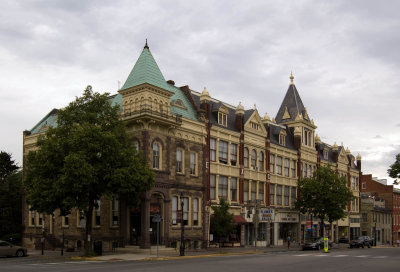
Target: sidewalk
[
  {"x": 174, "y": 254},
  {"x": 163, "y": 254}
]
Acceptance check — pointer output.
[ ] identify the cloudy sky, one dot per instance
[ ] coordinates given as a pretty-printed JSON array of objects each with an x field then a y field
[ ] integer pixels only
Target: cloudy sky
[{"x": 344, "y": 56}]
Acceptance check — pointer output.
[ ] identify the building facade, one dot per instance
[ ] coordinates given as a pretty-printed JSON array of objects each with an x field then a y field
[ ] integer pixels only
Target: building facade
[
  {"x": 203, "y": 150},
  {"x": 379, "y": 189},
  {"x": 376, "y": 219}
]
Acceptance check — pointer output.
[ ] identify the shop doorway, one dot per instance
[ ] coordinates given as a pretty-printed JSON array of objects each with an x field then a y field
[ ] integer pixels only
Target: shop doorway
[
  {"x": 156, "y": 210},
  {"x": 135, "y": 229}
]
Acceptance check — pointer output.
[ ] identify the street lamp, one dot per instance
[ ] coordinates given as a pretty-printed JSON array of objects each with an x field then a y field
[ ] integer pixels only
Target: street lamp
[{"x": 182, "y": 248}]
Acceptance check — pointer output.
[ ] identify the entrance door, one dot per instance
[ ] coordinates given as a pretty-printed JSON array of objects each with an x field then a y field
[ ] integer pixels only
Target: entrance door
[
  {"x": 155, "y": 209},
  {"x": 135, "y": 223}
]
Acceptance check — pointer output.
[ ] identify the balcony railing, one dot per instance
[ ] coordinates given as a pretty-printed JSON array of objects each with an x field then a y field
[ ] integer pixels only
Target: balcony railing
[{"x": 146, "y": 109}]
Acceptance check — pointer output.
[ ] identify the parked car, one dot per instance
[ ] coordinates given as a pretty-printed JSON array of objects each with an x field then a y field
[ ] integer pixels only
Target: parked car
[
  {"x": 7, "y": 249},
  {"x": 361, "y": 241},
  {"x": 316, "y": 244}
]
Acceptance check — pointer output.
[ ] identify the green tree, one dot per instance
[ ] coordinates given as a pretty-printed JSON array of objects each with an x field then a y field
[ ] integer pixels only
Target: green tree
[
  {"x": 325, "y": 195},
  {"x": 10, "y": 199},
  {"x": 87, "y": 156},
  {"x": 221, "y": 224},
  {"x": 394, "y": 170},
  {"x": 7, "y": 167}
]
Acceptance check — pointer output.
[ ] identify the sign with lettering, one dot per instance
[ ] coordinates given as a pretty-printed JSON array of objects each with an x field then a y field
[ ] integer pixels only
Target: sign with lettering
[
  {"x": 267, "y": 215},
  {"x": 287, "y": 217}
]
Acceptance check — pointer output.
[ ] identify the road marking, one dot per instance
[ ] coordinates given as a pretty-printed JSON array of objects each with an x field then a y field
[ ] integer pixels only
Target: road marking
[
  {"x": 362, "y": 256},
  {"x": 302, "y": 255},
  {"x": 321, "y": 255},
  {"x": 379, "y": 257}
]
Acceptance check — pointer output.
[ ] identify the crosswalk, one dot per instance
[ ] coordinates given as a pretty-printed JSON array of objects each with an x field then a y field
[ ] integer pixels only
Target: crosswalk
[
  {"x": 66, "y": 263},
  {"x": 338, "y": 256}
]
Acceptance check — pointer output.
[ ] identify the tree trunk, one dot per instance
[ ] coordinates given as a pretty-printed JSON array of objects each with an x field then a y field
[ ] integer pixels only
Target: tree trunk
[
  {"x": 88, "y": 237},
  {"x": 322, "y": 229}
]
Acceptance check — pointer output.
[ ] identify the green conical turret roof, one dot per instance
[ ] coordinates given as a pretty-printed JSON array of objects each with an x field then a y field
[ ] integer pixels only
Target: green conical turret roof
[{"x": 145, "y": 71}]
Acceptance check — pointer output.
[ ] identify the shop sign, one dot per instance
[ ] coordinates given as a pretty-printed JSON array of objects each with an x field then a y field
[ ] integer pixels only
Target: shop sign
[
  {"x": 289, "y": 217},
  {"x": 267, "y": 215}
]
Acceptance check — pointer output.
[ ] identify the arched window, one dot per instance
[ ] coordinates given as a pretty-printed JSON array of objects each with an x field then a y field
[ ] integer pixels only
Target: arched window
[
  {"x": 253, "y": 159},
  {"x": 156, "y": 155},
  {"x": 261, "y": 161},
  {"x": 246, "y": 157}
]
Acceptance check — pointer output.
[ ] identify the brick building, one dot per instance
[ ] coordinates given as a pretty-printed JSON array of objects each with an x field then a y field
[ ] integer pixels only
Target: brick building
[
  {"x": 201, "y": 150},
  {"x": 379, "y": 188}
]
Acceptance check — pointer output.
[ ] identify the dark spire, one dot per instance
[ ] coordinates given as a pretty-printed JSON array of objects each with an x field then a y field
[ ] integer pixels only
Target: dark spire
[{"x": 146, "y": 46}]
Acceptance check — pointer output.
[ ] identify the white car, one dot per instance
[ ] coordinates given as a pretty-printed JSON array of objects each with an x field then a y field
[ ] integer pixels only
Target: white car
[{"x": 7, "y": 249}]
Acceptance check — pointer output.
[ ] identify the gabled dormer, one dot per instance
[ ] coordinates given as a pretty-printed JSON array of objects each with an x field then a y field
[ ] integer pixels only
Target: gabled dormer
[
  {"x": 222, "y": 115},
  {"x": 293, "y": 114},
  {"x": 253, "y": 122},
  {"x": 342, "y": 158}
]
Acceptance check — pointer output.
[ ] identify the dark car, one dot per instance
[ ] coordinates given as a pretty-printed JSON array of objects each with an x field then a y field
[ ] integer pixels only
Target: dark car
[
  {"x": 316, "y": 244},
  {"x": 361, "y": 241},
  {"x": 7, "y": 249}
]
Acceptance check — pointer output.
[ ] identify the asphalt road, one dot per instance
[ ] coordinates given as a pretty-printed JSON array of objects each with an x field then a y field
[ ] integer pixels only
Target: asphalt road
[{"x": 373, "y": 259}]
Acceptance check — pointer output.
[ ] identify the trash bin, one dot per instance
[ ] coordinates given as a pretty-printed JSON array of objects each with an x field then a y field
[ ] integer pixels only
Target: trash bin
[{"x": 98, "y": 248}]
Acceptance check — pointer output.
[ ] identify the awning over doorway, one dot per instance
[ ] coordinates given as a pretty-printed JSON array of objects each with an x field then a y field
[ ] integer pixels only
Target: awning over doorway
[{"x": 239, "y": 219}]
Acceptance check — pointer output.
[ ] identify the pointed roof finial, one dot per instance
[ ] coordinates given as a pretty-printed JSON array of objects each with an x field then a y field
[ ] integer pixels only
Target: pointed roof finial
[
  {"x": 291, "y": 78},
  {"x": 146, "y": 46}
]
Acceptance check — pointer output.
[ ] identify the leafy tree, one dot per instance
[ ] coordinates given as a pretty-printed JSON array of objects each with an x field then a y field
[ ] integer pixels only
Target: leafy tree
[
  {"x": 394, "y": 170},
  {"x": 10, "y": 199},
  {"x": 325, "y": 195},
  {"x": 87, "y": 156},
  {"x": 7, "y": 166},
  {"x": 222, "y": 220}
]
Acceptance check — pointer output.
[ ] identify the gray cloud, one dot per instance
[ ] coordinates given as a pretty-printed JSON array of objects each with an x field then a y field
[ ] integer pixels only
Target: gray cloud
[{"x": 342, "y": 54}]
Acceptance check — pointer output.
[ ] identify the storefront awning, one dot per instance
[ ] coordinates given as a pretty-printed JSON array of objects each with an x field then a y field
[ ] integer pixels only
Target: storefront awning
[{"x": 239, "y": 219}]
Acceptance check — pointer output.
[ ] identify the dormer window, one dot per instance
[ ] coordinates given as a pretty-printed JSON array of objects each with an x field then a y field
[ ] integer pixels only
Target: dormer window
[
  {"x": 282, "y": 138},
  {"x": 223, "y": 115},
  {"x": 178, "y": 103},
  {"x": 255, "y": 126},
  {"x": 222, "y": 119},
  {"x": 325, "y": 154}
]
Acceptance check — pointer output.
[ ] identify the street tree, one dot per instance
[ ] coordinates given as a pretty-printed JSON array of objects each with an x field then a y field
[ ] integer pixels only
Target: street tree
[
  {"x": 325, "y": 195},
  {"x": 7, "y": 166},
  {"x": 10, "y": 199},
  {"x": 221, "y": 224},
  {"x": 394, "y": 170},
  {"x": 86, "y": 156}
]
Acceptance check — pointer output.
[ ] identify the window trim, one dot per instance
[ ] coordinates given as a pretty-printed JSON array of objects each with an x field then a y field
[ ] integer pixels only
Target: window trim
[
  {"x": 213, "y": 149},
  {"x": 223, "y": 151},
  {"x": 246, "y": 157},
  {"x": 193, "y": 164},
  {"x": 157, "y": 155},
  {"x": 182, "y": 161}
]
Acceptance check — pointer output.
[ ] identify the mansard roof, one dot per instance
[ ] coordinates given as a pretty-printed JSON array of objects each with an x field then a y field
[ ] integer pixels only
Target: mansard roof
[
  {"x": 330, "y": 159},
  {"x": 214, "y": 107},
  {"x": 274, "y": 132},
  {"x": 291, "y": 106}
]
